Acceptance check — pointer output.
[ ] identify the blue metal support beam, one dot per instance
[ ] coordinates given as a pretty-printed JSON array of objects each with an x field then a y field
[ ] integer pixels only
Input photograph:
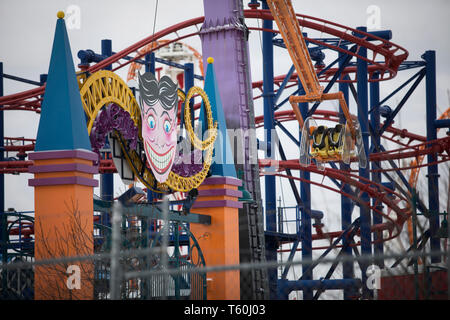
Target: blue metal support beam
[
  {"x": 176, "y": 65},
  {"x": 347, "y": 233},
  {"x": 376, "y": 176},
  {"x": 363, "y": 118},
  {"x": 88, "y": 56},
  {"x": 43, "y": 78},
  {"x": 350, "y": 233},
  {"x": 149, "y": 67},
  {"x": 310, "y": 285},
  {"x": 443, "y": 123},
  {"x": 106, "y": 46},
  {"x": 346, "y": 203},
  {"x": 107, "y": 179},
  {"x": 380, "y": 148},
  {"x": 153, "y": 211},
  {"x": 188, "y": 84},
  {"x": 408, "y": 94},
  {"x": 11, "y": 77},
  {"x": 383, "y": 34},
  {"x": 305, "y": 216},
  {"x": 270, "y": 182},
  {"x": 150, "y": 62},
  {"x": 283, "y": 84},
  {"x": 305, "y": 221},
  {"x": 396, "y": 91},
  {"x": 291, "y": 181},
  {"x": 336, "y": 183},
  {"x": 305, "y": 188},
  {"x": 433, "y": 174},
  {"x": 286, "y": 131},
  {"x": 343, "y": 60},
  {"x": 278, "y": 106}
]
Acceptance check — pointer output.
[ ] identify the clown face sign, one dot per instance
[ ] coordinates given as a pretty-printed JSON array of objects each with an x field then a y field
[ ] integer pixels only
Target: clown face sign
[{"x": 159, "y": 106}]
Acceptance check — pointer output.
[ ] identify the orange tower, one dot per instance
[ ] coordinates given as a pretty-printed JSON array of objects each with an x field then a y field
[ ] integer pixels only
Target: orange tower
[
  {"x": 63, "y": 181},
  {"x": 218, "y": 197}
]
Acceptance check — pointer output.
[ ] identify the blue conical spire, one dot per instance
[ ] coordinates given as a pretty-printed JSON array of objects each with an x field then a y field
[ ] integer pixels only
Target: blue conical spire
[
  {"x": 223, "y": 160},
  {"x": 63, "y": 124}
]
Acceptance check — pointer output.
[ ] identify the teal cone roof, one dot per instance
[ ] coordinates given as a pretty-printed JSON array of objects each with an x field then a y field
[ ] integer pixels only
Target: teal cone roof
[{"x": 62, "y": 125}]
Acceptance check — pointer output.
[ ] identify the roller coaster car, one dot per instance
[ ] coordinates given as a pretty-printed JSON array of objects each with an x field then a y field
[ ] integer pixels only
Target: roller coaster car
[{"x": 331, "y": 144}]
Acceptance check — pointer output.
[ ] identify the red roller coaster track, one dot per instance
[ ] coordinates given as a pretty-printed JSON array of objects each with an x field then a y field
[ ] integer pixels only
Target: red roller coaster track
[
  {"x": 392, "y": 54},
  {"x": 383, "y": 57}
]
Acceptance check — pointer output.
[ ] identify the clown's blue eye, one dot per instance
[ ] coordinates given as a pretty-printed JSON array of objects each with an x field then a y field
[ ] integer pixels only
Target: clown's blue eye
[
  {"x": 151, "y": 122},
  {"x": 167, "y": 126}
]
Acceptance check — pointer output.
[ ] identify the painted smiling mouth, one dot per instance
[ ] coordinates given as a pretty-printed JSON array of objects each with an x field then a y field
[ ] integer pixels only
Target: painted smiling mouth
[{"x": 160, "y": 161}]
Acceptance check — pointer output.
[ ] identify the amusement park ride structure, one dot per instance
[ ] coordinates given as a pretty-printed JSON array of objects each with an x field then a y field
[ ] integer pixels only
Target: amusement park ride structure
[{"x": 385, "y": 197}]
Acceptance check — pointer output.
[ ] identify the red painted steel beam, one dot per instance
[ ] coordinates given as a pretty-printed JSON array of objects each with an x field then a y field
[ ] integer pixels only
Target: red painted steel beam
[{"x": 386, "y": 49}]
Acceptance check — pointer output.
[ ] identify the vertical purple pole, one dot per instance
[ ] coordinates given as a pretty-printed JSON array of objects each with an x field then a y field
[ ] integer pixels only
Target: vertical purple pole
[{"x": 224, "y": 38}]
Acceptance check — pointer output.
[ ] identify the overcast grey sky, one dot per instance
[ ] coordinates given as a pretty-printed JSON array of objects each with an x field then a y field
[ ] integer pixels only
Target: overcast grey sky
[{"x": 27, "y": 28}]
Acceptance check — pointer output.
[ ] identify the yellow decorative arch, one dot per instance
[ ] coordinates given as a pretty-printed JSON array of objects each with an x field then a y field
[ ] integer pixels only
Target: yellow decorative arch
[{"x": 105, "y": 87}]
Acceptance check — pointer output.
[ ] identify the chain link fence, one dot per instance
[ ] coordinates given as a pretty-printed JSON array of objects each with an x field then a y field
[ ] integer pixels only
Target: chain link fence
[{"x": 135, "y": 261}]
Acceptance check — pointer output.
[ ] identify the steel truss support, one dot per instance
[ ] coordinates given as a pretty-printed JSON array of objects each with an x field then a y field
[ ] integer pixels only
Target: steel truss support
[
  {"x": 433, "y": 174},
  {"x": 376, "y": 176},
  {"x": 305, "y": 214},
  {"x": 107, "y": 179},
  {"x": 346, "y": 204},
  {"x": 306, "y": 284},
  {"x": 363, "y": 109}
]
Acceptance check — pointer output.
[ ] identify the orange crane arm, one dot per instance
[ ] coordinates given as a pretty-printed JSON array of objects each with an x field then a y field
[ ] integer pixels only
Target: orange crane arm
[{"x": 284, "y": 15}]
